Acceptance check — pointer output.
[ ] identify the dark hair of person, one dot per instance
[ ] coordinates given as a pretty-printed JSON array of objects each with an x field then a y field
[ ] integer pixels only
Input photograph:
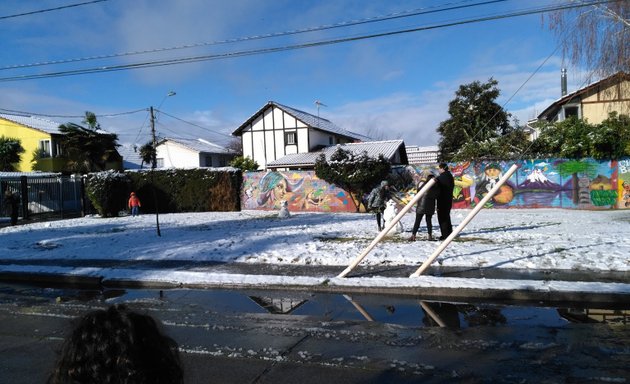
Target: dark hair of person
[
  {"x": 117, "y": 345},
  {"x": 443, "y": 166}
]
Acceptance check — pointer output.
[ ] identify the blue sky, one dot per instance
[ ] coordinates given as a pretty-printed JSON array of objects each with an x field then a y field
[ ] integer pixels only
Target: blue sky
[{"x": 390, "y": 87}]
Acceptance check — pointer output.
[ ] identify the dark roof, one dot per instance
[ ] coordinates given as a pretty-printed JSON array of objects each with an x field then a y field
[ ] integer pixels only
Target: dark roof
[
  {"x": 308, "y": 119},
  {"x": 552, "y": 109},
  {"x": 387, "y": 148}
]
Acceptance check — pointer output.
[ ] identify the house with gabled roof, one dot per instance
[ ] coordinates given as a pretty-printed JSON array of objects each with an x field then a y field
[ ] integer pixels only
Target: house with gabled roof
[
  {"x": 277, "y": 130},
  {"x": 34, "y": 133},
  {"x": 191, "y": 153},
  {"x": 593, "y": 102},
  {"x": 392, "y": 150}
]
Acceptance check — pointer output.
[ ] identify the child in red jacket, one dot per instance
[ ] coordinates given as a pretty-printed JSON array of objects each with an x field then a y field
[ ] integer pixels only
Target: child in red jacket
[{"x": 134, "y": 204}]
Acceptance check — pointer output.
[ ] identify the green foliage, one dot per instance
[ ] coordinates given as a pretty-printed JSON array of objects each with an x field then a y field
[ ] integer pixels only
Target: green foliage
[
  {"x": 244, "y": 163},
  {"x": 182, "y": 190},
  {"x": 575, "y": 139},
  {"x": 187, "y": 190},
  {"x": 476, "y": 122},
  {"x": 38, "y": 154},
  {"x": 611, "y": 139},
  {"x": 87, "y": 149},
  {"x": 148, "y": 155},
  {"x": 356, "y": 174},
  {"x": 108, "y": 191},
  {"x": 10, "y": 153}
]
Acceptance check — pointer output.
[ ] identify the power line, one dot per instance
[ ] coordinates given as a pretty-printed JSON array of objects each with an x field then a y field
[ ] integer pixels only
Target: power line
[
  {"x": 23, "y": 113},
  {"x": 51, "y": 9},
  {"x": 234, "y": 54},
  {"x": 196, "y": 125},
  {"x": 391, "y": 16}
]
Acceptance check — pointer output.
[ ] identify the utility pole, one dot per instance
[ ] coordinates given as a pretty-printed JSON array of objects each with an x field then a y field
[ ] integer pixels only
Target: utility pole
[{"x": 153, "y": 165}]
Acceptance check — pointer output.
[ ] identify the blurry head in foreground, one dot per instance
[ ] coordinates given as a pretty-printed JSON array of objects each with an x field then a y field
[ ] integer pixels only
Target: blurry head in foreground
[{"x": 116, "y": 345}]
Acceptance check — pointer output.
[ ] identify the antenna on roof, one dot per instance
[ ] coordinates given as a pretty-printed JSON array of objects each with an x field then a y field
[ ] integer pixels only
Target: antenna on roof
[{"x": 319, "y": 104}]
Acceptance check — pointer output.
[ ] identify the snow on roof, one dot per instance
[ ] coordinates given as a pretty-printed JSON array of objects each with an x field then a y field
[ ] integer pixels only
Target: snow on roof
[
  {"x": 34, "y": 122},
  {"x": 387, "y": 148},
  {"x": 199, "y": 145}
]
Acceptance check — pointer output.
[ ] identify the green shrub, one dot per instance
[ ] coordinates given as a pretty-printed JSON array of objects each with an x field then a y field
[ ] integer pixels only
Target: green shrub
[{"x": 108, "y": 191}]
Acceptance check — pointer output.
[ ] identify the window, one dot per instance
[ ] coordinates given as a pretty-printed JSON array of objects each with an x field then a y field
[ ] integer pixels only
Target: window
[
  {"x": 44, "y": 145},
  {"x": 330, "y": 140},
  {"x": 208, "y": 161},
  {"x": 290, "y": 138},
  {"x": 159, "y": 163},
  {"x": 570, "y": 111}
]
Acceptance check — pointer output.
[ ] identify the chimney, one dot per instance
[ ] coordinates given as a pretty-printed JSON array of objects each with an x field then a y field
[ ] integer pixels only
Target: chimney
[{"x": 563, "y": 82}]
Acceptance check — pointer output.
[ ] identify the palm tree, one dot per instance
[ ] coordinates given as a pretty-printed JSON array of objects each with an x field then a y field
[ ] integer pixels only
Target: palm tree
[
  {"x": 88, "y": 149},
  {"x": 148, "y": 154},
  {"x": 10, "y": 153}
]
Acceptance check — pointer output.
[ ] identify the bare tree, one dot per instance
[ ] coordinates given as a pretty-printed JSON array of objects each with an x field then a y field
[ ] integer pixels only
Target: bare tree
[{"x": 596, "y": 36}]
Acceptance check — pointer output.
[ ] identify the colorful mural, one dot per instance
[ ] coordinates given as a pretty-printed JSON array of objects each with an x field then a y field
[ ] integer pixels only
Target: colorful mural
[
  {"x": 624, "y": 183},
  {"x": 539, "y": 183},
  {"x": 302, "y": 190}
]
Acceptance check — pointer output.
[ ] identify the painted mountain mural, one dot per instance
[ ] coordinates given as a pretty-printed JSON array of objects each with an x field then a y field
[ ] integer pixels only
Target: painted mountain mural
[{"x": 537, "y": 181}]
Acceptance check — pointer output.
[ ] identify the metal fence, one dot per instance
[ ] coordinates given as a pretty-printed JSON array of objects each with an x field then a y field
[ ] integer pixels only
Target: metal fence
[{"x": 46, "y": 197}]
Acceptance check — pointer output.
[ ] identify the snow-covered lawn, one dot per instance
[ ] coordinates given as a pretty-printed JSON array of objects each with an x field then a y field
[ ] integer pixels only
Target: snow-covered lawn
[{"x": 533, "y": 239}]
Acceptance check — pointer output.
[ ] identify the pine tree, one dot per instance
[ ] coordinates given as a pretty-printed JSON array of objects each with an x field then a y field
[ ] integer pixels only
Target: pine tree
[{"x": 357, "y": 174}]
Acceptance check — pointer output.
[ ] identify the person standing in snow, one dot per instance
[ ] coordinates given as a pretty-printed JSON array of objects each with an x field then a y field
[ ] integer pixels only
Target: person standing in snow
[
  {"x": 11, "y": 205},
  {"x": 134, "y": 204},
  {"x": 445, "y": 200},
  {"x": 425, "y": 206},
  {"x": 377, "y": 200}
]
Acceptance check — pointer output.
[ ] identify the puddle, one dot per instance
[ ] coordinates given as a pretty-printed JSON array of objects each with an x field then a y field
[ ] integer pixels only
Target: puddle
[
  {"x": 383, "y": 309},
  {"x": 401, "y": 311}
]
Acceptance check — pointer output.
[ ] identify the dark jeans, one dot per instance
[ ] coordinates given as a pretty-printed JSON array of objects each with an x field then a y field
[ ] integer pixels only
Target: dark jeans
[
  {"x": 379, "y": 221},
  {"x": 444, "y": 218},
  {"x": 416, "y": 224}
]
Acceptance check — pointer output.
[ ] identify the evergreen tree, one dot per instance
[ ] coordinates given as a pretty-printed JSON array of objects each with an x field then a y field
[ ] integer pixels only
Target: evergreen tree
[
  {"x": 476, "y": 122},
  {"x": 611, "y": 139},
  {"x": 357, "y": 174},
  {"x": 244, "y": 163},
  {"x": 10, "y": 153}
]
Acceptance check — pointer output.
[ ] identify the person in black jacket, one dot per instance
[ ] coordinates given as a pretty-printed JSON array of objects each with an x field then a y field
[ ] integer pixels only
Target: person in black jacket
[
  {"x": 445, "y": 200},
  {"x": 425, "y": 206},
  {"x": 12, "y": 205}
]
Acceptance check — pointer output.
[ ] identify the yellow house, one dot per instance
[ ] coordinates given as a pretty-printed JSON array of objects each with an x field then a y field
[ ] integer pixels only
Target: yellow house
[
  {"x": 594, "y": 102},
  {"x": 34, "y": 133}
]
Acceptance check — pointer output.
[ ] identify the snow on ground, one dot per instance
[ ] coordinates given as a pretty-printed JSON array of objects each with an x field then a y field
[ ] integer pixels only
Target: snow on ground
[{"x": 532, "y": 239}]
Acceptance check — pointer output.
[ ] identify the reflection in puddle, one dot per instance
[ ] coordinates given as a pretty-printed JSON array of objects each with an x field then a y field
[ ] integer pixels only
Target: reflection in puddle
[
  {"x": 385, "y": 309},
  {"x": 403, "y": 311}
]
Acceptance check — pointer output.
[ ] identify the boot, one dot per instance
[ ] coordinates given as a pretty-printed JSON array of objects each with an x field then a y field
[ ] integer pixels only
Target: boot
[
  {"x": 412, "y": 238},
  {"x": 430, "y": 238}
]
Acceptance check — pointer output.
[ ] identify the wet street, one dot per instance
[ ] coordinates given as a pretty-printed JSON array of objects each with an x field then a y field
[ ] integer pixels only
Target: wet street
[{"x": 289, "y": 337}]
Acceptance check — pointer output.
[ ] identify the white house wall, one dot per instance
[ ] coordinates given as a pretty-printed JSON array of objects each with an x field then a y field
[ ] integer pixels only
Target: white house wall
[
  {"x": 177, "y": 156},
  {"x": 264, "y": 139}
]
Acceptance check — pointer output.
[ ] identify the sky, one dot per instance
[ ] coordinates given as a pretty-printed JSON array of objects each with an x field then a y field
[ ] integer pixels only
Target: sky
[
  {"x": 529, "y": 240},
  {"x": 395, "y": 86}
]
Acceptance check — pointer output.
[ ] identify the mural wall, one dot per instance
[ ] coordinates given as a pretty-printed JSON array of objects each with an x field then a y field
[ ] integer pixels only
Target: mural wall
[
  {"x": 302, "y": 190},
  {"x": 540, "y": 183}
]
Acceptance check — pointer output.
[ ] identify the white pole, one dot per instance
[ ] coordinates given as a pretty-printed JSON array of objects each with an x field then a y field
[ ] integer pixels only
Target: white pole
[
  {"x": 388, "y": 227},
  {"x": 463, "y": 224},
  {"x": 432, "y": 314},
  {"x": 359, "y": 308}
]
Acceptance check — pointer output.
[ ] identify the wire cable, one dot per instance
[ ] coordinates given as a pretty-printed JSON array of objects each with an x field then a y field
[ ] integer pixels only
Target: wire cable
[
  {"x": 51, "y": 9},
  {"x": 391, "y": 16},
  {"x": 193, "y": 59}
]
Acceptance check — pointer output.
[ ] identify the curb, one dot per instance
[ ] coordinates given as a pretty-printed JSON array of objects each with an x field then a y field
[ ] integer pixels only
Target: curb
[{"x": 524, "y": 296}]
